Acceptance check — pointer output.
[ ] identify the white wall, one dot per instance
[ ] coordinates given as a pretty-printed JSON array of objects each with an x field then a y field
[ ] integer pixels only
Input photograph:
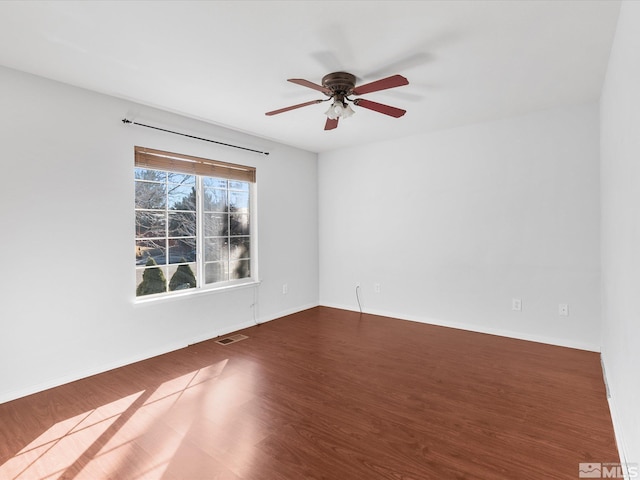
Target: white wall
[
  {"x": 67, "y": 280},
  {"x": 456, "y": 223},
  {"x": 620, "y": 156}
]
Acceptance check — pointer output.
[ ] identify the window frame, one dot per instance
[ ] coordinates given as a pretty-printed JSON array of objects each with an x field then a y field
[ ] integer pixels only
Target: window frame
[{"x": 159, "y": 160}]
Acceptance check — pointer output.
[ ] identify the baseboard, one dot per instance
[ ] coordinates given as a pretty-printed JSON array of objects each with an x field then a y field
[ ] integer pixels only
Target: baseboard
[
  {"x": 615, "y": 417},
  {"x": 617, "y": 430},
  {"x": 8, "y": 396},
  {"x": 80, "y": 374},
  {"x": 221, "y": 331},
  {"x": 284, "y": 313},
  {"x": 478, "y": 329},
  {"x": 241, "y": 326}
]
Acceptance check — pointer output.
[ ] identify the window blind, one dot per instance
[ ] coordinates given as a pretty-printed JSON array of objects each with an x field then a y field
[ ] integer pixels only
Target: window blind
[{"x": 177, "y": 162}]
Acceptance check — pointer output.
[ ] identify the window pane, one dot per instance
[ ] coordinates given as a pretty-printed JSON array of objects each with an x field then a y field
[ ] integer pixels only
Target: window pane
[
  {"x": 239, "y": 223},
  {"x": 151, "y": 195},
  {"x": 215, "y": 200},
  {"x": 182, "y": 198},
  {"x": 151, "y": 249},
  {"x": 153, "y": 281},
  {"x": 239, "y": 269},
  {"x": 216, "y": 249},
  {"x": 215, "y": 224},
  {"x": 181, "y": 179},
  {"x": 139, "y": 272},
  {"x": 167, "y": 225},
  {"x": 215, "y": 272},
  {"x": 237, "y": 185},
  {"x": 151, "y": 175},
  {"x": 182, "y": 224},
  {"x": 238, "y": 201},
  {"x": 214, "y": 182},
  {"x": 239, "y": 247},
  {"x": 182, "y": 250},
  {"x": 150, "y": 224},
  {"x": 182, "y": 277}
]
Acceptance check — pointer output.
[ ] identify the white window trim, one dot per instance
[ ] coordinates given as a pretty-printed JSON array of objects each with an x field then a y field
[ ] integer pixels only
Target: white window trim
[{"x": 195, "y": 292}]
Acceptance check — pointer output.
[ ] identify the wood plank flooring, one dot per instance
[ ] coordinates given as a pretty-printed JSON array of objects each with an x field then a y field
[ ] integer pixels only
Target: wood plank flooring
[{"x": 322, "y": 394}]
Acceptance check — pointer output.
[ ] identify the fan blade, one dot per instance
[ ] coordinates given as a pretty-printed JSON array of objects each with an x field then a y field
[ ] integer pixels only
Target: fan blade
[
  {"x": 331, "y": 124},
  {"x": 293, "y": 107},
  {"x": 379, "y": 107},
  {"x": 382, "y": 84},
  {"x": 307, "y": 83}
]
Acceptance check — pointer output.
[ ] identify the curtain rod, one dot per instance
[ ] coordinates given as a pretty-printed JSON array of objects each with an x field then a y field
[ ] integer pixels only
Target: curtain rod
[{"x": 126, "y": 121}]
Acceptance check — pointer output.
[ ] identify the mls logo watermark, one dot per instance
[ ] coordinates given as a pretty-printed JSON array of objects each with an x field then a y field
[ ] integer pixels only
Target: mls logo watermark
[
  {"x": 590, "y": 470},
  {"x": 608, "y": 470}
]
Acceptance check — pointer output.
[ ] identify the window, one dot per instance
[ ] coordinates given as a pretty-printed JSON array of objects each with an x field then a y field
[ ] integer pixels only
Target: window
[{"x": 193, "y": 223}]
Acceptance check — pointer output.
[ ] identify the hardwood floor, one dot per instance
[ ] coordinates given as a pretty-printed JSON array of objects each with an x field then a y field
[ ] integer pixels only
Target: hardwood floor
[{"x": 323, "y": 394}]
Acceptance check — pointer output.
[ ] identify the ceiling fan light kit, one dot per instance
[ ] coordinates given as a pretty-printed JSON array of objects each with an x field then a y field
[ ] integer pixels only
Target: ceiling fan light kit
[
  {"x": 338, "y": 86},
  {"x": 339, "y": 109}
]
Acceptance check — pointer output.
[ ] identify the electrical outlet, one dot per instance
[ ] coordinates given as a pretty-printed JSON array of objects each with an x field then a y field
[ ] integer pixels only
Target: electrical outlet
[
  {"x": 376, "y": 287},
  {"x": 285, "y": 288},
  {"x": 516, "y": 304},
  {"x": 563, "y": 310}
]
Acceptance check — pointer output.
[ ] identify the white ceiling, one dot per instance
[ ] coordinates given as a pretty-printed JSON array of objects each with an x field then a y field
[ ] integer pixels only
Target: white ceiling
[{"x": 227, "y": 62}]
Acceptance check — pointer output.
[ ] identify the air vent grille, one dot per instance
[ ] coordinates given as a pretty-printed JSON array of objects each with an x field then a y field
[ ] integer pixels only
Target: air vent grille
[{"x": 231, "y": 339}]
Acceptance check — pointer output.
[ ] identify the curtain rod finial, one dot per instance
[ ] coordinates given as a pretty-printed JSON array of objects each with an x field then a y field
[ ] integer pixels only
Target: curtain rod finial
[{"x": 125, "y": 120}]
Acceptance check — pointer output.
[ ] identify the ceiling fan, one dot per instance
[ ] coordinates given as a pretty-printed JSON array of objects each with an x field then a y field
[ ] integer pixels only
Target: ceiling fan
[{"x": 338, "y": 86}]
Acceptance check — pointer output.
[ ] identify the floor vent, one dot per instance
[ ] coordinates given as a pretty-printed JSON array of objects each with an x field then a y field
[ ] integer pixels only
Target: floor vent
[{"x": 231, "y": 339}]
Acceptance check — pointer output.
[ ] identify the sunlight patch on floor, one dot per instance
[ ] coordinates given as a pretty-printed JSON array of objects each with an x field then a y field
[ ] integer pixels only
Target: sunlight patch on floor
[
  {"x": 63, "y": 443},
  {"x": 126, "y": 435}
]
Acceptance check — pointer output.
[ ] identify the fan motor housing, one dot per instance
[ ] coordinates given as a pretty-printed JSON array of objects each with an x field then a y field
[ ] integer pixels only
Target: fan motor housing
[{"x": 340, "y": 83}]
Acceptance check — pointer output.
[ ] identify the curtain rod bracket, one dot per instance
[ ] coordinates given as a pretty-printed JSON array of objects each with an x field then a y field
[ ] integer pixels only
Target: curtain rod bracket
[{"x": 127, "y": 121}]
